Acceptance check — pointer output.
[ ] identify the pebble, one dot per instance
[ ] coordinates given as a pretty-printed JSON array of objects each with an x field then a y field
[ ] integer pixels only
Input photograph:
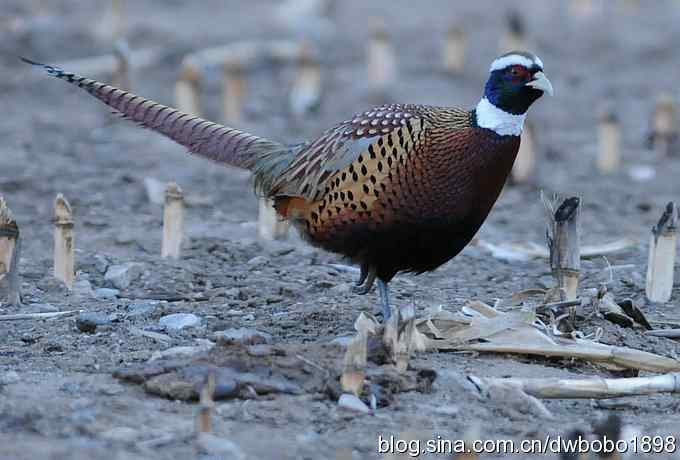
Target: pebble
[
  {"x": 212, "y": 445},
  {"x": 233, "y": 293},
  {"x": 260, "y": 350},
  {"x": 101, "y": 263},
  {"x": 343, "y": 340},
  {"x": 121, "y": 434},
  {"x": 121, "y": 276},
  {"x": 51, "y": 284},
  {"x": 43, "y": 308},
  {"x": 245, "y": 336},
  {"x": 89, "y": 321},
  {"x": 82, "y": 289},
  {"x": 106, "y": 293},
  {"x": 180, "y": 352},
  {"x": 351, "y": 402},
  {"x": 641, "y": 173},
  {"x": 447, "y": 410},
  {"x": 342, "y": 288},
  {"x": 179, "y": 321},
  {"x": 140, "y": 309},
  {"x": 258, "y": 261},
  {"x": 9, "y": 377}
]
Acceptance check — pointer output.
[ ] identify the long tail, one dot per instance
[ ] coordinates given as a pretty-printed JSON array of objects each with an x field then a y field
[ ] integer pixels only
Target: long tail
[{"x": 210, "y": 140}]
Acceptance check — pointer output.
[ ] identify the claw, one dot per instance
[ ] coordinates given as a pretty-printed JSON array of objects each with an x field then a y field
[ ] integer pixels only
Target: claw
[
  {"x": 362, "y": 275},
  {"x": 366, "y": 282}
]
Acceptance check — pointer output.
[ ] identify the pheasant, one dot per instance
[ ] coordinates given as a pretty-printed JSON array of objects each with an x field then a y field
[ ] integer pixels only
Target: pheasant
[{"x": 398, "y": 188}]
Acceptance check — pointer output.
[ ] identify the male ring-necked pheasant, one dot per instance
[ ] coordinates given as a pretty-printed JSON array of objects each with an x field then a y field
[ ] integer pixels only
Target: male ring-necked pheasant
[{"x": 400, "y": 187}]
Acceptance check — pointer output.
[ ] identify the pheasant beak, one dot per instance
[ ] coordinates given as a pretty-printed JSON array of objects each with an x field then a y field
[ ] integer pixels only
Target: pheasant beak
[{"x": 541, "y": 83}]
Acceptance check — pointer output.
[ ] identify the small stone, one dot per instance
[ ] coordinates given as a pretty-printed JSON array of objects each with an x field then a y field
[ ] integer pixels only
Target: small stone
[
  {"x": 109, "y": 390},
  {"x": 212, "y": 445},
  {"x": 89, "y": 321},
  {"x": 140, "y": 310},
  {"x": 641, "y": 173},
  {"x": 43, "y": 308},
  {"x": 180, "y": 352},
  {"x": 82, "y": 289},
  {"x": 258, "y": 261},
  {"x": 232, "y": 293},
  {"x": 51, "y": 284},
  {"x": 245, "y": 336},
  {"x": 342, "y": 288},
  {"x": 249, "y": 317},
  {"x": 120, "y": 434},
  {"x": 447, "y": 410},
  {"x": 342, "y": 341},
  {"x": 121, "y": 276},
  {"x": 101, "y": 263},
  {"x": 351, "y": 402},
  {"x": 106, "y": 293},
  {"x": 179, "y": 321},
  {"x": 260, "y": 350},
  {"x": 9, "y": 377}
]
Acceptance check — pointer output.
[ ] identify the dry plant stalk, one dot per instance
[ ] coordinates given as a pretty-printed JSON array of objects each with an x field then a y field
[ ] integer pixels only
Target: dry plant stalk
[
  {"x": 269, "y": 225},
  {"x": 187, "y": 88},
  {"x": 563, "y": 236},
  {"x": 582, "y": 8},
  {"x": 486, "y": 329},
  {"x": 121, "y": 77},
  {"x": 455, "y": 49},
  {"x": 353, "y": 371},
  {"x": 514, "y": 37},
  {"x": 588, "y": 388},
  {"x": 525, "y": 163},
  {"x": 662, "y": 248},
  {"x": 64, "y": 244},
  {"x": 206, "y": 405},
  {"x": 249, "y": 53},
  {"x": 609, "y": 152},
  {"x": 398, "y": 336},
  {"x": 305, "y": 95},
  {"x": 382, "y": 66},
  {"x": 234, "y": 90},
  {"x": 34, "y": 316},
  {"x": 663, "y": 124},
  {"x": 10, "y": 249},
  {"x": 668, "y": 333},
  {"x": 173, "y": 222},
  {"x": 112, "y": 25}
]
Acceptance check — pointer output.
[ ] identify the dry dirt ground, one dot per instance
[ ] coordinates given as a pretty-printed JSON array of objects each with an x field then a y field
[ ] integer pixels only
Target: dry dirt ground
[{"x": 58, "y": 398}]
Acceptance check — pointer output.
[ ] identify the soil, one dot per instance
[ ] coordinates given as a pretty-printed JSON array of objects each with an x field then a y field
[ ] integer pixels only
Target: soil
[{"x": 64, "y": 402}]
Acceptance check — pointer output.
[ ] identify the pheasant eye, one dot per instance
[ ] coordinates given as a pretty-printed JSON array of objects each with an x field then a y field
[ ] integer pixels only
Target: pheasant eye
[{"x": 517, "y": 71}]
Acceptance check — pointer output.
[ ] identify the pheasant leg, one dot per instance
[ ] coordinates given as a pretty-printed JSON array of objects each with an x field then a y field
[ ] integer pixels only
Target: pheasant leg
[{"x": 384, "y": 299}]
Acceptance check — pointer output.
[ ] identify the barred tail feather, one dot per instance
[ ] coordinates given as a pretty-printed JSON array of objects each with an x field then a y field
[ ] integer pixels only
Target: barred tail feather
[{"x": 210, "y": 140}]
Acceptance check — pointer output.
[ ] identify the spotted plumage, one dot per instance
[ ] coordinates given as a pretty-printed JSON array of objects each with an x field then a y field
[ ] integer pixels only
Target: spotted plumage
[{"x": 399, "y": 187}]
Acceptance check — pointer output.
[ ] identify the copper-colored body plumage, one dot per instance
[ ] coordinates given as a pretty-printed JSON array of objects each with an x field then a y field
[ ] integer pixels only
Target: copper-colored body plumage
[
  {"x": 396, "y": 188},
  {"x": 407, "y": 189}
]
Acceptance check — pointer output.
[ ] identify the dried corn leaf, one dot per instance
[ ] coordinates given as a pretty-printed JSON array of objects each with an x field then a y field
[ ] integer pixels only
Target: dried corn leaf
[{"x": 516, "y": 332}]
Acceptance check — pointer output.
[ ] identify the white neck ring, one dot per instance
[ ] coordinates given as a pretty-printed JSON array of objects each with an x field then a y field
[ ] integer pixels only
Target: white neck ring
[{"x": 502, "y": 123}]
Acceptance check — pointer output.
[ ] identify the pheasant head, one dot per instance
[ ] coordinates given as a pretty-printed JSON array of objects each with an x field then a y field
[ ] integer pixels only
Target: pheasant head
[{"x": 516, "y": 80}]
